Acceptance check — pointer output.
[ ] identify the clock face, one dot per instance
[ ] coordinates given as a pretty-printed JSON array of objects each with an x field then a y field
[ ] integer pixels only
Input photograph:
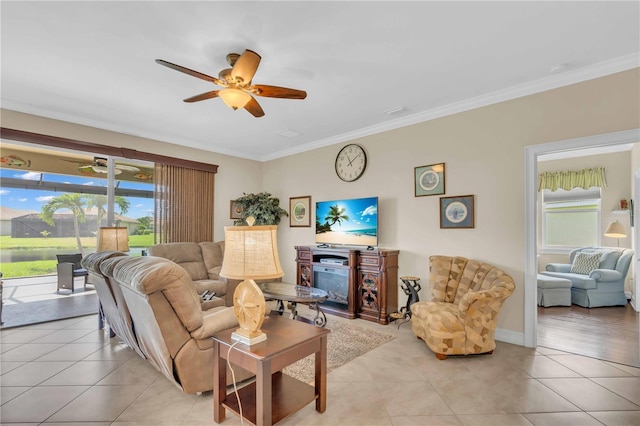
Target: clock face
[{"x": 351, "y": 162}]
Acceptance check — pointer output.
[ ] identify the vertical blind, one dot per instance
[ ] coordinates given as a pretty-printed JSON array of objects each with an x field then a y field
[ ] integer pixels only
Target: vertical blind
[{"x": 183, "y": 204}]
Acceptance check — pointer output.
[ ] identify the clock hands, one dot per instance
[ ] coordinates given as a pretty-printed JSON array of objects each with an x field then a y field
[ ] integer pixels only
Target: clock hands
[{"x": 354, "y": 159}]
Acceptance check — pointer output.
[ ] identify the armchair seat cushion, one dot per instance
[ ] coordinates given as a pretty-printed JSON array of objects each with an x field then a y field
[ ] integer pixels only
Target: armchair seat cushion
[{"x": 577, "y": 280}]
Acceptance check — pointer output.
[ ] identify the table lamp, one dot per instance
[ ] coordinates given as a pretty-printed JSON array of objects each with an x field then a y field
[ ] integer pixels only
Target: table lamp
[
  {"x": 250, "y": 253},
  {"x": 112, "y": 238},
  {"x": 615, "y": 230}
]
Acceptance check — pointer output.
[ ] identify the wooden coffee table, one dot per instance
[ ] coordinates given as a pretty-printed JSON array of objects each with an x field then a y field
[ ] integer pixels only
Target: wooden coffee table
[{"x": 274, "y": 395}]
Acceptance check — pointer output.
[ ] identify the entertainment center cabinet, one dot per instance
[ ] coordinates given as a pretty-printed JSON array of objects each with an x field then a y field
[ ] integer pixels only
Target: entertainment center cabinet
[{"x": 361, "y": 283}]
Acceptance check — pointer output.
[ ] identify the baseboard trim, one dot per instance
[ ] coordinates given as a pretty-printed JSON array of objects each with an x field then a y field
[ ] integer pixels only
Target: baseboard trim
[{"x": 510, "y": 336}]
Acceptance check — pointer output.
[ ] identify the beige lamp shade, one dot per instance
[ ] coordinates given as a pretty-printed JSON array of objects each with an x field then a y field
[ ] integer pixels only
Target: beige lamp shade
[
  {"x": 113, "y": 239},
  {"x": 615, "y": 230},
  {"x": 251, "y": 252}
]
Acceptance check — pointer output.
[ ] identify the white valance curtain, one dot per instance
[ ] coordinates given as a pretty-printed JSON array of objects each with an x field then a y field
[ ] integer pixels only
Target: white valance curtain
[{"x": 568, "y": 180}]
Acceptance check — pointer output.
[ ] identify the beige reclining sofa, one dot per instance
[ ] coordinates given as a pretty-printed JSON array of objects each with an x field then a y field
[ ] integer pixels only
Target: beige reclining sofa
[
  {"x": 172, "y": 329},
  {"x": 202, "y": 261}
]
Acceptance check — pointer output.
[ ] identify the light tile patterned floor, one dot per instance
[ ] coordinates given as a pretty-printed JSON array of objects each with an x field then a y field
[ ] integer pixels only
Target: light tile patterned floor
[{"x": 68, "y": 371}]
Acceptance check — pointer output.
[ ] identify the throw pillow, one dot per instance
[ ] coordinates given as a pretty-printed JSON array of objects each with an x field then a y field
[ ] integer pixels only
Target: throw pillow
[{"x": 584, "y": 263}]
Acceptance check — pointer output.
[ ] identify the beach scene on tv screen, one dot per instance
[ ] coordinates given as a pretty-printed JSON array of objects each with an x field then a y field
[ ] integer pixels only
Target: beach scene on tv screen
[{"x": 349, "y": 222}]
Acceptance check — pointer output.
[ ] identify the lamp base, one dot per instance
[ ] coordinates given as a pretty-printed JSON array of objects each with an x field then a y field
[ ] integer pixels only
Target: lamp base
[{"x": 248, "y": 337}]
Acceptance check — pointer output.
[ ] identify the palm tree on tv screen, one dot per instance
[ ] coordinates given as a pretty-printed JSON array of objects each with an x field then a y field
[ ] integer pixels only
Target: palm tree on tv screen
[{"x": 336, "y": 215}]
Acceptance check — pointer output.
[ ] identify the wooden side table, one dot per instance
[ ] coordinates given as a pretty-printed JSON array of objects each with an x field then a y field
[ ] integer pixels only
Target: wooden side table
[{"x": 273, "y": 396}]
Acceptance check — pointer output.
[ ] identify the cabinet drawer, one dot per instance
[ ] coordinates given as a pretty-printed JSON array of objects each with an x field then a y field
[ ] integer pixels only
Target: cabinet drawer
[
  {"x": 370, "y": 261},
  {"x": 304, "y": 255}
]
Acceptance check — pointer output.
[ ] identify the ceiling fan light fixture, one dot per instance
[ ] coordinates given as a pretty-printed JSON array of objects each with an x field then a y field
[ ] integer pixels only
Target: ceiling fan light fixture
[{"x": 234, "y": 98}]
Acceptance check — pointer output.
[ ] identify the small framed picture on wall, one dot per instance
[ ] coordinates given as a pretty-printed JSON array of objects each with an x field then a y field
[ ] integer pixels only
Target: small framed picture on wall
[
  {"x": 236, "y": 210},
  {"x": 457, "y": 212},
  {"x": 429, "y": 180},
  {"x": 299, "y": 211}
]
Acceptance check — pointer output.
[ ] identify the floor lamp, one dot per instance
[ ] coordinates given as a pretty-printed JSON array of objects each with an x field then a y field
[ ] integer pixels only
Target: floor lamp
[
  {"x": 615, "y": 230},
  {"x": 250, "y": 253}
]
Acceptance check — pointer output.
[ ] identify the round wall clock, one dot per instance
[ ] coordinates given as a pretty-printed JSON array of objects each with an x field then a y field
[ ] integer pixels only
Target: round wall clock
[{"x": 351, "y": 162}]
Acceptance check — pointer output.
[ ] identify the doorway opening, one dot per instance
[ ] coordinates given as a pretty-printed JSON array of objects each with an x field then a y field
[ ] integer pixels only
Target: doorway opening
[{"x": 532, "y": 153}]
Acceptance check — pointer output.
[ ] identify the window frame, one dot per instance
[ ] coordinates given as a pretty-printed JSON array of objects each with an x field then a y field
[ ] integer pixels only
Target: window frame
[{"x": 591, "y": 192}]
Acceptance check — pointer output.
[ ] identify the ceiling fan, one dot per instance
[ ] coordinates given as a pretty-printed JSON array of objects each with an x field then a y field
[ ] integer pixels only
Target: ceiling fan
[
  {"x": 237, "y": 83},
  {"x": 100, "y": 165}
]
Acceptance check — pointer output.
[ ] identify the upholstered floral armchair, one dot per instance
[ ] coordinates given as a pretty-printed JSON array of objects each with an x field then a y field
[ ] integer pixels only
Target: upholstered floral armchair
[{"x": 466, "y": 297}]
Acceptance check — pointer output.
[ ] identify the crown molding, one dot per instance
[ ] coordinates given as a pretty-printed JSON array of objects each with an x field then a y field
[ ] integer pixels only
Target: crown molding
[{"x": 554, "y": 81}]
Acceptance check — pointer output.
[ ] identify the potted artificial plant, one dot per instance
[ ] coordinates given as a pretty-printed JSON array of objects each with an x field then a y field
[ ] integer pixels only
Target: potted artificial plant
[{"x": 263, "y": 207}]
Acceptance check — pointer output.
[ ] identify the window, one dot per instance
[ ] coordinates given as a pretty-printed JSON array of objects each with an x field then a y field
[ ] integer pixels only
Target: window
[{"x": 570, "y": 219}]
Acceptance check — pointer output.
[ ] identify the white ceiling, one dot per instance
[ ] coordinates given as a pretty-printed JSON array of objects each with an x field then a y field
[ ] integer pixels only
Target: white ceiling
[{"x": 93, "y": 63}]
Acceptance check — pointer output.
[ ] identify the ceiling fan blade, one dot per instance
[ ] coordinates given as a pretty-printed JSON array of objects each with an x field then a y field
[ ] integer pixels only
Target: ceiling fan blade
[
  {"x": 203, "y": 96},
  {"x": 189, "y": 71},
  {"x": 246, "y": 66},
  {"x": 254, "y": 108},
  {"x": 277, "y": 92}
]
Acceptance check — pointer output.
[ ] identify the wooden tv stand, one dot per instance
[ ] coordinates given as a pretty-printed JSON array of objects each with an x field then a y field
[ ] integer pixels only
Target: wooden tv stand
[{"x": 372, "y": 279}]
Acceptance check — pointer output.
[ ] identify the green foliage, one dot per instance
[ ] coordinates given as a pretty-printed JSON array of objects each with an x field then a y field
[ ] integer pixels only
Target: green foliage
[
  {"x": 336, "y": 215},
  {"x": 145, "y": 226},
  {"x": 263, "y": 207},
  {"x": 28, "y": 269}
]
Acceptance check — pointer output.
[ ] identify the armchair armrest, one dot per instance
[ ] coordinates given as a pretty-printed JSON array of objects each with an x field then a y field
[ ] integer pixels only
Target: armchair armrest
[
  {"x": 65, "y": 269},
  {"x": 604, "y": 275},
  {"x": 558, "y": 267},
  {"x": 215, "y": 321}
]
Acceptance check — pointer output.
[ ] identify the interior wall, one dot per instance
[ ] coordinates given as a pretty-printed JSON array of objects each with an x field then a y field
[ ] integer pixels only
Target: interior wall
[
  {"x": 235, "y": 175},
  {"x": 483, "y": 151}
]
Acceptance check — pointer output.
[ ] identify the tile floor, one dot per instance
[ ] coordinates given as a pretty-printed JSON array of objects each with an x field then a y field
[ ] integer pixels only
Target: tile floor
[{"x": 68, "y": 372}]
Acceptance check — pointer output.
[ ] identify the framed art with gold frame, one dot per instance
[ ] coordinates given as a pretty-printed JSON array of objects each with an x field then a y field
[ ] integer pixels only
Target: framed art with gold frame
[
  {"x": 300, "y": 211},
  {"x": 236, "y": 210},
  {"x": 429, "y": 180},
  {"x": 457, "y": 212}
]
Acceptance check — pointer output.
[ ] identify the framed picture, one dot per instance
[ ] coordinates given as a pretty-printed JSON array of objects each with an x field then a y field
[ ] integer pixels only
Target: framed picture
[
  {"x": 235, "y": 210},
  {"x": 429, "y": 180},
  {"x": 457, "y": 212},
  {"x": 299, "y": 211}
]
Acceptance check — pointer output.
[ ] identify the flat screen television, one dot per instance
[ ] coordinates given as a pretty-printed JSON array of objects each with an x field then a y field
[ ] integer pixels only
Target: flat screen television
[{"x": 347, "y": 222}]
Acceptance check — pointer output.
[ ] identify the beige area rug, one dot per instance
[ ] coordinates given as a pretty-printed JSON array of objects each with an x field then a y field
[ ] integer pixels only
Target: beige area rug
[{"x": 346, "y": 342}]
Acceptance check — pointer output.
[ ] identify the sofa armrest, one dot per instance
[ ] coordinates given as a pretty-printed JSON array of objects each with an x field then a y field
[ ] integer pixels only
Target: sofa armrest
[
  {"x": 215, "y": 321},
  {"x": 604, "y": 275},
  {"x": 558, "y": 267}
]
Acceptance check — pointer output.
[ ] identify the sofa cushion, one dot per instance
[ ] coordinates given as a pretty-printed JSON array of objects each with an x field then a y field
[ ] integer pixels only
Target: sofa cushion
[
  {"x": 584, "y": 263},
  {"x": 216, "y": 286},
  {"x": 212, "y": 255},
  {"x": 609, "y": 259},
  {"x": 187, "y": 255}
]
